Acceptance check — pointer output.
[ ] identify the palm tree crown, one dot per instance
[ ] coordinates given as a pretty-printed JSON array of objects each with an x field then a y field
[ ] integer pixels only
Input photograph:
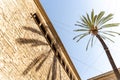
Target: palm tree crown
[{"x": 93, "y": 24}]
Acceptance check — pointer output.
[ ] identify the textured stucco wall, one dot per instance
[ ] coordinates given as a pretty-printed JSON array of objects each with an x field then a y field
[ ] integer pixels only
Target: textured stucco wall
[
  {"x": 106, "y": 76},
  {"x": 24, "y": 52}
]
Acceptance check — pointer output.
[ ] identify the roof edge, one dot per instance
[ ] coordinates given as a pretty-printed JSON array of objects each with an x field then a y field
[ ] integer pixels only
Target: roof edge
[
  {"x": 56, "y": 37},
  {"x": 103, "y": 75}
]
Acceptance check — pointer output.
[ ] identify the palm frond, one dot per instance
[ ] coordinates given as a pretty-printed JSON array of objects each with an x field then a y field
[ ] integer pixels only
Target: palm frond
[
  {"x": 99, "y": 17},
  {"x": 107, "y": 18},
  {"x": 92, "y": 16},
  {"x": 95, "y": 20},
  {"x": 99, "y": 23},
  {"x": 81, "y": 18},
  {"x": 103, "y": 20},
  {"x": 81, "y": 25},
  {"x": 113, "y": 32},
  {"x": 88, "y": 43},
  {"x": 77, "y": 36},
  {"x": 80, "y": 36},
  {"x": 92, "y": 40},
  {"x": 104, "y": 37},
  {"x": 88, "y": 18},
  {"x": 85, "y": 21},
  {"x": 108, "y": 34},
  {"x": 110, "y": 25},
  {"x": 77, "y": 30}
]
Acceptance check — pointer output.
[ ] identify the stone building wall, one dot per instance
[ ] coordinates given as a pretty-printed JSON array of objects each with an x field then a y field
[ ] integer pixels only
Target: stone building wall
[
  {"x": 105, "y": 76},
  {"x": 24, "y": 52}
]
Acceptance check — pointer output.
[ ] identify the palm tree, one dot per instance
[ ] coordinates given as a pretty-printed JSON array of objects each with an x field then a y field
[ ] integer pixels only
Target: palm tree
[{"x": 93, "y": 25}]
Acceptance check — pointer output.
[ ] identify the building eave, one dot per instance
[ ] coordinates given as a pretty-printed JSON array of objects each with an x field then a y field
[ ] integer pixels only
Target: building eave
[
  {"x": 103, "y": 75},
  {"x": 51, "y": 28}
]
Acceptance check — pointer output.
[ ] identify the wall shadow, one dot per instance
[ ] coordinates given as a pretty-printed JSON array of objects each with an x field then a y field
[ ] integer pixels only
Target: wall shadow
[
  {"x": 53, "y": 70},
  {"x": 32, "y": 30},
  {"x": 40, "y": 59},
  {"x": 33, "y": 42},
  {"x": 38, "y": 62}
]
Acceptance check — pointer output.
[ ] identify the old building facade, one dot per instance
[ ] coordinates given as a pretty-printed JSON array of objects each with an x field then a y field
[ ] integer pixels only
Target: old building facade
[
  {"x": 105, "y": 76},
  {"x": 30, "y": 48}
]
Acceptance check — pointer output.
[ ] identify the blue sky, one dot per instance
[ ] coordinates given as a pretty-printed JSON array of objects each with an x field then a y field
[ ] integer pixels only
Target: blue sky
[{"x": 64, "y": 14}]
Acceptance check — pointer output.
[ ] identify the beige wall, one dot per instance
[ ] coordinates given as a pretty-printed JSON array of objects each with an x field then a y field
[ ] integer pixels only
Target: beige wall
[
  {"x": 24, "y": 51},
  {"x": 105, "y": 76}
]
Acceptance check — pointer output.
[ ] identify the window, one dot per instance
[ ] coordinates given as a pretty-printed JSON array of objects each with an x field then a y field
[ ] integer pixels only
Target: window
[
  {"x": 63, "y": 63},
  {"x": 36, "y": 18},
  {"x": 59, "y": 57},
  {"x": 43, "y": 29},
  {"x": 49, "y": 39},
  {"x": 67, "y": 70},
  {"x": 54, "y": 48}
]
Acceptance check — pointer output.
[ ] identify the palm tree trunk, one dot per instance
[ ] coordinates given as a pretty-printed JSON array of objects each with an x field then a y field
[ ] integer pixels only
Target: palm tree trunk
[{"x": 117, "y": 74}]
